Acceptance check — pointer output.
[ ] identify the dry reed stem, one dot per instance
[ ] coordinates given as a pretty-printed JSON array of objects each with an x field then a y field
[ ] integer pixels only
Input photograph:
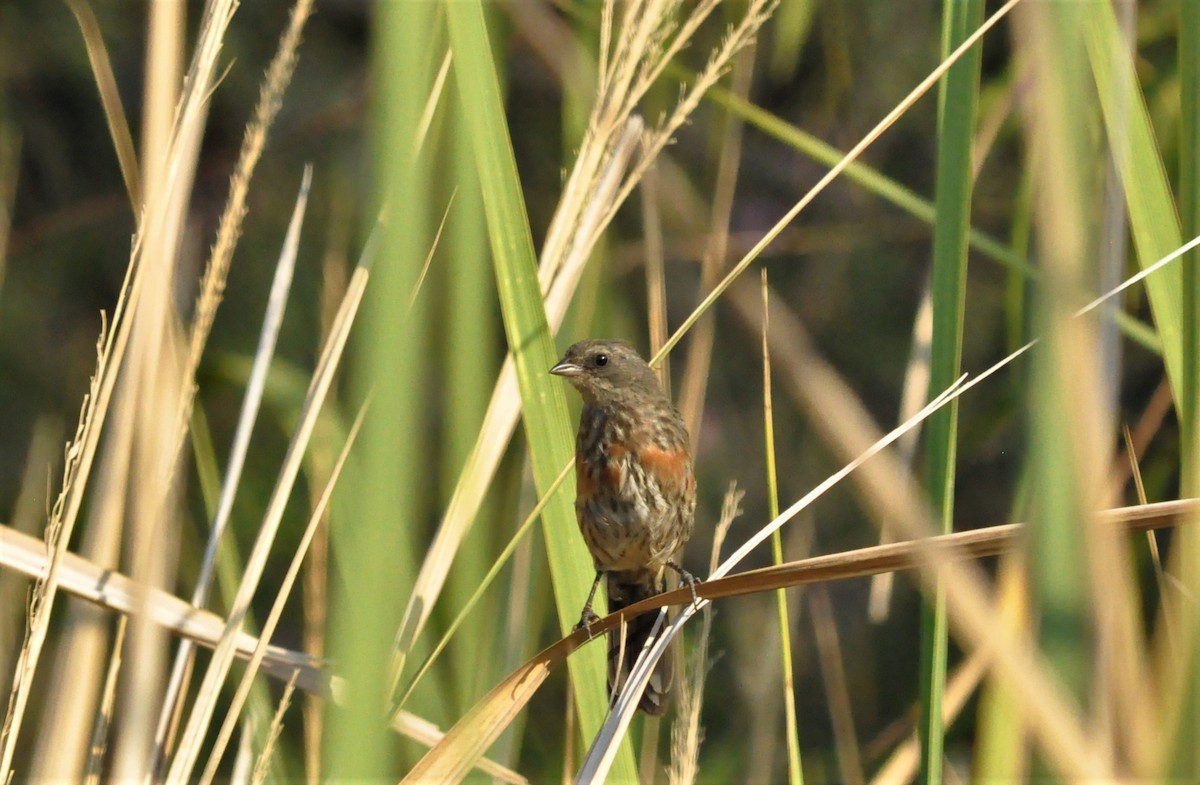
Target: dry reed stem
[
  {"x": 243, "y": 763},
  {"x": 255, "y": 387},
  {"x": 833, "y": 676},
  {"x": 165, "y": 34},
  {"x": 75, "y": 679},
  {"x": 150, "y": 386},
  {"x": 262, "y": 767},
  {"x": 916, "y": 388},
  {"x": 315, "y": 594},
  {"x": 201, "y": 714},
  {"x": 686, "y": 732},
  {"x": 28, "y": 555},
  {"x": 104, "y": 716},
  {"x": 163, "y": 214},
  {"x": 656, "y": 282},
  {"x": 281, "y": 598}
]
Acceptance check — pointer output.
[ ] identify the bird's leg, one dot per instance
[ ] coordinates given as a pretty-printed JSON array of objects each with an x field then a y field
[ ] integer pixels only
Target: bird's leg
[
  {"x": 587, "y": 618},
  {"x": 686, "y": 578}
]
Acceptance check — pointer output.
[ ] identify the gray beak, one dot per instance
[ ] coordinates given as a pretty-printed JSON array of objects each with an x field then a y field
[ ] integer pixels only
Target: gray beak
[{"x": 566, "y": 369}]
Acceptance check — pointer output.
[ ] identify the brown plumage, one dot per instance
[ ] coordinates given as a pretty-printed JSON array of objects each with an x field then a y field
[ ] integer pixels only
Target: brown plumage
[{"x": 635, "y": 492}]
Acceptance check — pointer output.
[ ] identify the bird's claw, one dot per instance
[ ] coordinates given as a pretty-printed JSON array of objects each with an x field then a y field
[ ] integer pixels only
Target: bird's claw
[
  {"x": 687, "y": 579},
  {"x": 586, "y": 620}
]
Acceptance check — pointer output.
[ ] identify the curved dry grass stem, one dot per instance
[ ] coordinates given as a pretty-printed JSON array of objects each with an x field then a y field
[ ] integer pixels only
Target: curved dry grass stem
[{"x": 452, "y": 757}]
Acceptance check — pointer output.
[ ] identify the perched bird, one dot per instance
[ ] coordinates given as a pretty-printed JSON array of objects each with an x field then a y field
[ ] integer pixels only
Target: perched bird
[{"x": 635, "y": 493}]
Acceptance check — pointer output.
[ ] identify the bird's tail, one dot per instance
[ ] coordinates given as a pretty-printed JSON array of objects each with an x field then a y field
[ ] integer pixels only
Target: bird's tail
[{"x": 625, "y": 644}]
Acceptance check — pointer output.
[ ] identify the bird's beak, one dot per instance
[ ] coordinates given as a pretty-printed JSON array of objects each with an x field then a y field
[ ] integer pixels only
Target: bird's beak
[{"x": 565, "y": 368}]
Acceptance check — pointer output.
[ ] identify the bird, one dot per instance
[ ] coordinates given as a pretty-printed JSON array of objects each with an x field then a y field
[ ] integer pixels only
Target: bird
[{"x": 635, "y": 495}]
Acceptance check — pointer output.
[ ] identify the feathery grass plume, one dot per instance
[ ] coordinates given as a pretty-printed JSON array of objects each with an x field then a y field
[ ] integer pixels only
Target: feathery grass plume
[
  {"x": 270, "y": 99},
  {"x": 262, "y": 767}
]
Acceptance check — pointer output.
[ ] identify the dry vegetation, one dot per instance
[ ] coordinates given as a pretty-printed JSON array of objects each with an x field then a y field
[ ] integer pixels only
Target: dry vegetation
[{"x": 315, "y": 519}]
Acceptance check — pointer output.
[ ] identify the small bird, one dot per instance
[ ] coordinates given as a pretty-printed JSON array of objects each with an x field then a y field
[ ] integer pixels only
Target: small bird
[{"x": 635, "y": 495}]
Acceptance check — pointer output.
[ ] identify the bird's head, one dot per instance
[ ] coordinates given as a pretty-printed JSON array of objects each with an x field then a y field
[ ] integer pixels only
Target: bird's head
[{"x": 608, "y": 371}]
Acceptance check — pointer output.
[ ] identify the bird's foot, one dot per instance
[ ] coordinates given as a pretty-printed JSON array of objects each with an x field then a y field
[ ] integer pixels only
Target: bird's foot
[
  {"x": 586, "y": 620},
  {"x": 687, "y": 579}
]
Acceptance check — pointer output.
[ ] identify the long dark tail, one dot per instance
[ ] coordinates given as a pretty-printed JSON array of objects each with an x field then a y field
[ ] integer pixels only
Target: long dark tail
[{"x": 624, "y": 589}]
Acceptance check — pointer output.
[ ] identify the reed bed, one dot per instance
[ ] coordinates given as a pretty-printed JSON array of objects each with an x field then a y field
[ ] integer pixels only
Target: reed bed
[{"x": 922, "y": 280}]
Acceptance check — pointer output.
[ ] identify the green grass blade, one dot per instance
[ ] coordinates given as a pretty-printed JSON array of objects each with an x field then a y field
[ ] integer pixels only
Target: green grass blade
[
  {"x": 1172, "y": 292},
  {"x": 470, "y": 374},
  {"x": 1184, "y": 761},
  {"x": 1152, "y": 217},
  {"x": 1063, "y": 140},
  {"x": 543, "y": 400},
  {"x": 958, "y": 98},
  {"x": 373, "y": 525},
  {"x": 794, "y": 769}
]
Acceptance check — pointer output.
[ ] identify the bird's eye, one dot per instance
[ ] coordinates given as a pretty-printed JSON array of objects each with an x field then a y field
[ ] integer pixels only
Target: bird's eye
[{"x": 601, "y": 360}]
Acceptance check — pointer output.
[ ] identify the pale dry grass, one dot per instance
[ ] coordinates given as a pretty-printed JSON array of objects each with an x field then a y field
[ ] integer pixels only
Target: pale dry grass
[
  {"x": 156, "y": 241},
  {"x": 634, "y": 50}
]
